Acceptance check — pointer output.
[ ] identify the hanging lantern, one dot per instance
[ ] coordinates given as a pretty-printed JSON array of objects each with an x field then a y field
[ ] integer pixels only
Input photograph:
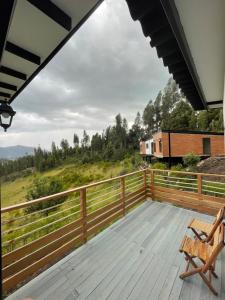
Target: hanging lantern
[{"x": 6, "y": 115}]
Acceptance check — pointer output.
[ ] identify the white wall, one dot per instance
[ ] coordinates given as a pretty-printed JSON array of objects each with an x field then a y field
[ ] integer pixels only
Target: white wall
[{"x": 148, "y": 147}]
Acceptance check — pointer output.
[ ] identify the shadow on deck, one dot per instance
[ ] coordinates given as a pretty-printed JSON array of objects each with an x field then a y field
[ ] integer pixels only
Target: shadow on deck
[{"x": 135, "y": 258}]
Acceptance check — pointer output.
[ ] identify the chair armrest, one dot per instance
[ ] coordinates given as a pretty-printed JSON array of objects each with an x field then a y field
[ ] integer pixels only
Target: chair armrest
[
  {"x": 182, "y": 243},
  {"x": 190, "y": 224}
]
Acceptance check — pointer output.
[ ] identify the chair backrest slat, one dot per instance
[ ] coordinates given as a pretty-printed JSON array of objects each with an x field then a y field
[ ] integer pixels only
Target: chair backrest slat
[
  {"x": 218, "y": 244},
  {"x": 216, "y": 223}
]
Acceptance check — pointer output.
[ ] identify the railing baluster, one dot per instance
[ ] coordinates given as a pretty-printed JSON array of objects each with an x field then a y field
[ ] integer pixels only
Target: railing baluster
[
  {"x": 83, "y": 203},
  {"x": 152, "y": 183},
  {"x": 122, "y": 185},
  {"x": 145, "y": 183},
  {"x": 199, "y": 179}
]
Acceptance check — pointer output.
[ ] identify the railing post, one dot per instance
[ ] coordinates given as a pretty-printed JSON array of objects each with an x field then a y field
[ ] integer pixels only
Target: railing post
[
  {"x": 152, "y": 183},
  {"x": 145, "y": 183},
  {"x": 84, "y": 213},
  {"x": 199, "y": 179},
  {"x": 122, "y": 186}
]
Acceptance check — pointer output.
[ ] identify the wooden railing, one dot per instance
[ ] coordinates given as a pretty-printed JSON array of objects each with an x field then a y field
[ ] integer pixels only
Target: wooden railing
[
  {"x": 199, "y": 191},
  {"x": 37, "y": 233}
]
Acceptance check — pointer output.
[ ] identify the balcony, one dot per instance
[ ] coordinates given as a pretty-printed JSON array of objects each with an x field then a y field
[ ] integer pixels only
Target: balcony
[{"x": 135, "y": 257}]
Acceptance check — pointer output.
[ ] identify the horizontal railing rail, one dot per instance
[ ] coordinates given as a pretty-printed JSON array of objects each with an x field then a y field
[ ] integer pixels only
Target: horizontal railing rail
[{"x": 37, "y": 233}]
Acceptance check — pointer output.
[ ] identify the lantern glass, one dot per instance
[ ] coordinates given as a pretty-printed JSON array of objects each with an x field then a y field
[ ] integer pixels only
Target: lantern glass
[{"x": 6, "y": 115}]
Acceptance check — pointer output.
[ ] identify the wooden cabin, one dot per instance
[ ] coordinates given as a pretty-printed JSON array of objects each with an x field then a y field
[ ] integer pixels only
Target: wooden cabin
[{"x": 166, "y": 144}]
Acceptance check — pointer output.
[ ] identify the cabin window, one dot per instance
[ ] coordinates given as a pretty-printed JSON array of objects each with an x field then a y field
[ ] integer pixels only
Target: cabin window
[
  {"x": 206, "y": 146},
  {"x": 154, "y": 147},
  {"x": 146, "y": 146},
  {"x": 160, "y": 145}
]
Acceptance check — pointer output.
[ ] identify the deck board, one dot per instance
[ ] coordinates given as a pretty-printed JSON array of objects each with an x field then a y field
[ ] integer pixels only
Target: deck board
[{"x": 135, "y": 258}]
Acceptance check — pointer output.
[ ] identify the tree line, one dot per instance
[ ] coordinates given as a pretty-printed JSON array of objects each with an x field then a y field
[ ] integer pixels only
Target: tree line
[{"x": 170, "y": 110}]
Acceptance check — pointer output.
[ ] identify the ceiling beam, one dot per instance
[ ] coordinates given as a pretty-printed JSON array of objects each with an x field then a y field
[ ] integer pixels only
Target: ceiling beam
[
  {"x": 8, "y": 86},
  {"x": 56, "y": 50},
  {"x": 177, "y": 68},
  {"x": 25, "y": 54},
  {"x": 215, "y": 102},
  {"x": 143, "y": 8},
  {"x": 168, "y": 48},
  {"x": 13, "y": 73},
  {"x": 6, "y": 12},
  {"x": 6, "y": 95},
  {"x": 53, "y": 12},
  {"x": 161, "y": 36},
  {"x": 172, "y": 59}
]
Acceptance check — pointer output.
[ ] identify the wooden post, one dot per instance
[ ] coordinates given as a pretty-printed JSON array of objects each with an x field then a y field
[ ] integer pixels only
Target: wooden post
[
  {"x": 122, "y": 186},
  {"x": 84, "y": 213},
  {"x": 199, "y": 178},
  {"x": 152, "y": 183},
  {"x": 145, "y": 183}
]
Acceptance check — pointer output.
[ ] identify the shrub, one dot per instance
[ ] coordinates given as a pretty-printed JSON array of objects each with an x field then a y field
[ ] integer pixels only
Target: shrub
[
  {"x": 191, "y": 160},
  {"x": 136, "y": 160},
  {"x": 160, "y": 166},
  {"x": 178, "y": 167},
  {"x": 42, "y": 187},
  {"x": 85, "y": 159}
]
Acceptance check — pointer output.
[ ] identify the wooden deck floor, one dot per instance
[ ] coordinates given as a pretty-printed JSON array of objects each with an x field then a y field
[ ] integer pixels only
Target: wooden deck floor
[{"x": 136, "y": 258}]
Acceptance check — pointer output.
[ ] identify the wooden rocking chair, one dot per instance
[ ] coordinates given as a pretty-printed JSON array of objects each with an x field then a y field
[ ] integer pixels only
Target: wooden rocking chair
[
  {"x": 205, "y": 231},
  {"x": 206, "y": 253}
]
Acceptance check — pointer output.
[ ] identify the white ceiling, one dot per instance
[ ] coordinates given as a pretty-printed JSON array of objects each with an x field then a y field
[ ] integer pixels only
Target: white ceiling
[{"x": 204, "y": 27}]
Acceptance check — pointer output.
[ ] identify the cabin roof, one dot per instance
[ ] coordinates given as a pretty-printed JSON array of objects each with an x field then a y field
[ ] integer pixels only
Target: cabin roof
[{"x": 192, "y": 132}]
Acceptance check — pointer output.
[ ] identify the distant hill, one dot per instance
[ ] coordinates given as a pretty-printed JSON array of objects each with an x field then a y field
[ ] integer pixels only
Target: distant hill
[{"x": 13, "y": 152}]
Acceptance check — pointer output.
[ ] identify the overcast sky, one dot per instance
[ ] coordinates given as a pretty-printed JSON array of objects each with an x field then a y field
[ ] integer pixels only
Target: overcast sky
[{"x": 107, "y": 67}]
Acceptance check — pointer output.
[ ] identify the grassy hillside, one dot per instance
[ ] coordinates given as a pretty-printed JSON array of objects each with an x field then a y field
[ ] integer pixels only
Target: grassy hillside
[{"x": 72, "y": 175}]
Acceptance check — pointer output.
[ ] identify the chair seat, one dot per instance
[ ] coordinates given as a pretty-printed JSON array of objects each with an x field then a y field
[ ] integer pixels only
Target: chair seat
[
  {"x": 195, "y": 248},
  {"x": 201, "y": 226}
]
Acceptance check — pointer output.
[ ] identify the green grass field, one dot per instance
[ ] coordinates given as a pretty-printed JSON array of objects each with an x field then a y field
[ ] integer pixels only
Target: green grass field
[{"x": 13, "y": 192}]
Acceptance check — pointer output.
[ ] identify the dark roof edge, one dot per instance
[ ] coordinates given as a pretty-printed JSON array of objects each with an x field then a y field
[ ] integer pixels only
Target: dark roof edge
[
  {"x": 7, "y": 9},
  {"x": 177, "y": 28},
  {"x": 56, "y": 50},
  {"x": 215, "y": 102},
  {"x": 192, "y": 132}
]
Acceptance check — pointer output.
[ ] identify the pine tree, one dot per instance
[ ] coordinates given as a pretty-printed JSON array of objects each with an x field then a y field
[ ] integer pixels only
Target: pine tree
[{"x": 75, "y": 140}]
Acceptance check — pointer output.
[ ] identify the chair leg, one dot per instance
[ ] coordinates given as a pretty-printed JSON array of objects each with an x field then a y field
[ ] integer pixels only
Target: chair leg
[
  {"x": 208, "y": 283},
  {"x": 214, "y": 274},
  {"x": 187, "y": 267},
  {"x": 189, "y": 273},
  {"x": 192, "y": 272},
  {"x": 195, "y": 271}
]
